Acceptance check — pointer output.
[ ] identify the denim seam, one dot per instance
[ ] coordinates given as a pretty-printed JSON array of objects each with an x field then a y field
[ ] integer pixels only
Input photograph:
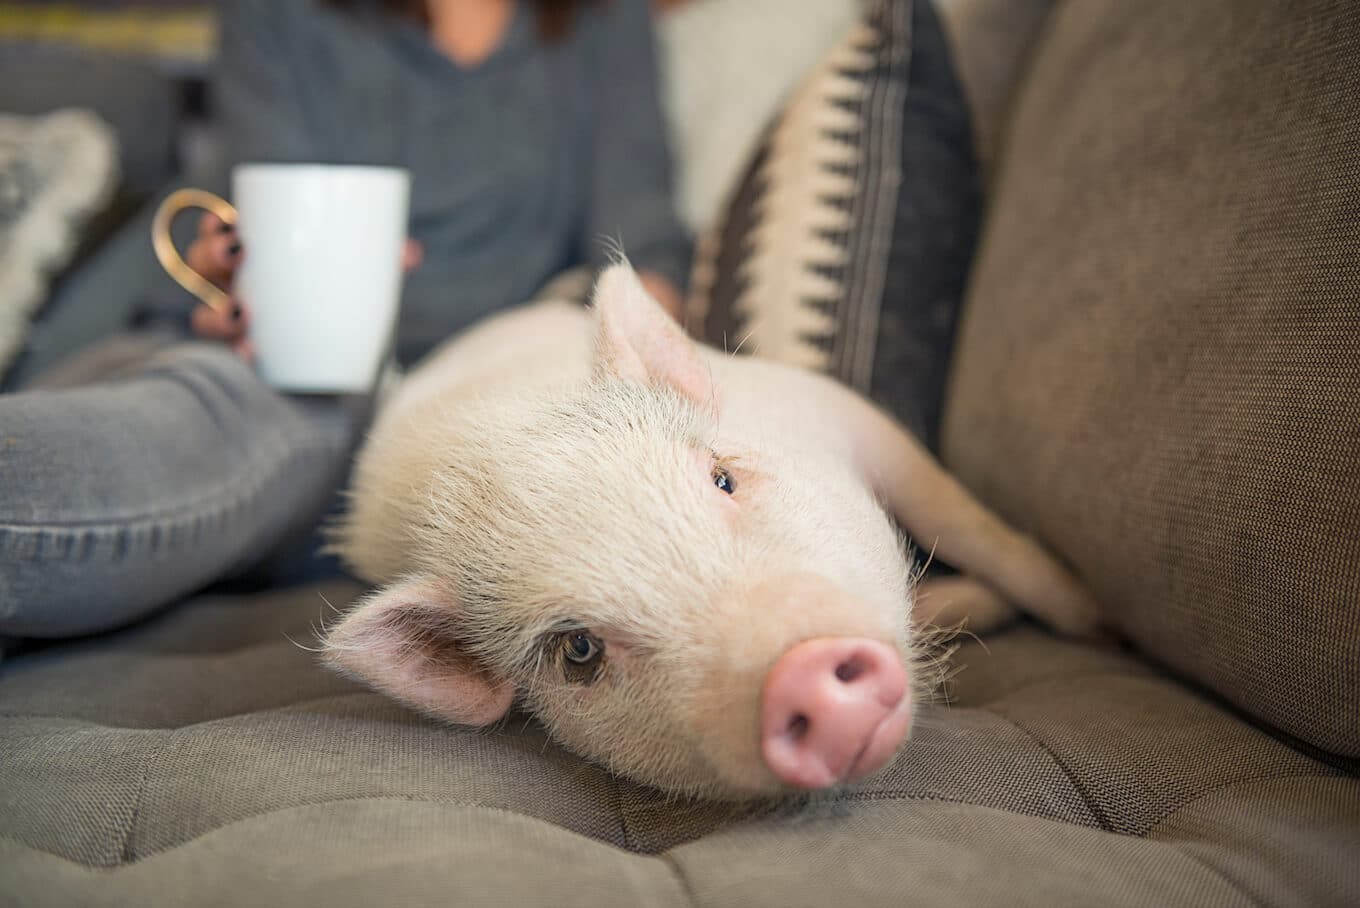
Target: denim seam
[{"x": 219, "y": 499}]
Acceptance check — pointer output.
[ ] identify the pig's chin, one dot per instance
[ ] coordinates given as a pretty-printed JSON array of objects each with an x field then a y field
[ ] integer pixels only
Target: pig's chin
[
  {"x": 715, "y": 758},
  {"x": 720, "y": 758},
  {"x": 725, "y": 779}
]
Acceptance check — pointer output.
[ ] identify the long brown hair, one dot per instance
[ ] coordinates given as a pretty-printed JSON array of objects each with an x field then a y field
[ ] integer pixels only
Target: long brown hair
[{"x": 554, "y": 17}]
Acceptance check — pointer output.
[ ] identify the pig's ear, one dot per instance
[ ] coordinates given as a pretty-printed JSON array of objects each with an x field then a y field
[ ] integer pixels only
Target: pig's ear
[
  {"x": 404, "y": 641},
  {"x": 637, "y": 341}
]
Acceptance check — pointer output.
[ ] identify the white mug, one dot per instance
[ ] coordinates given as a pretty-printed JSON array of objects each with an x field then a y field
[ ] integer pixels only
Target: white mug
[{"x": 322, "y": 269}]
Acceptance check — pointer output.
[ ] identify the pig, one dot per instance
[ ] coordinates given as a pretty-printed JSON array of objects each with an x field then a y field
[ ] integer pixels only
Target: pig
[{"x": 688, "y": 565}]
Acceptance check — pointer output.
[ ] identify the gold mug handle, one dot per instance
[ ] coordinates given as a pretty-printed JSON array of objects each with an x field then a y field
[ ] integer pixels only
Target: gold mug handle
[{"x": 169, "y": 256}]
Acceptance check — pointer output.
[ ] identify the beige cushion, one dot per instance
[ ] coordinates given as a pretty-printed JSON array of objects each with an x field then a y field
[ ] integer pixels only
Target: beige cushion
[
  {"x": 206, "y": 758},
  {"x": 1159, "y": 366}
]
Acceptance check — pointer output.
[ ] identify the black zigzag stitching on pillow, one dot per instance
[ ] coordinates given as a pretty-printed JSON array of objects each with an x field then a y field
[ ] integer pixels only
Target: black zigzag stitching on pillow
[
  {"x": 852, "y": 357},
  {"x": 845, "y": 246},
  {"x": 798, "y": 258}
]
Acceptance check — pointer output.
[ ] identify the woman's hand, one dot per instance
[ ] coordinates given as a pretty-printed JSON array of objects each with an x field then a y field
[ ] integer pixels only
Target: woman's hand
[{"x": 216, "y": 254}]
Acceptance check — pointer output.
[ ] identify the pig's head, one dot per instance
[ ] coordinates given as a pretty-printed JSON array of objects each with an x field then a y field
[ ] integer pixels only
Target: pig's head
[{"x": 707, "y": 615}]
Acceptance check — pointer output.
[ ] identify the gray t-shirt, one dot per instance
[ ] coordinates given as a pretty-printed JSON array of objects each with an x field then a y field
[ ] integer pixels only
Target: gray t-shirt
[{"x": 523, "y": 165}]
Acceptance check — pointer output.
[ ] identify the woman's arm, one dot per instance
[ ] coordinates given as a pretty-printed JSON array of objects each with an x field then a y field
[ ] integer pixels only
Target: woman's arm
[
  {"x": 258, "y": 78},
  {"x": 261, "y": 119},
  {"x": 631, "y": 184}
]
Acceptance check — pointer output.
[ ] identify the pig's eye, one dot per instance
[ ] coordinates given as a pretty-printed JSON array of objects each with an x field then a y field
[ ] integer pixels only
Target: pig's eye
[
  {"x": 582, "y": 653},
  {"x": 581, "y": 647},
  {"x": 723, "y": 480}
]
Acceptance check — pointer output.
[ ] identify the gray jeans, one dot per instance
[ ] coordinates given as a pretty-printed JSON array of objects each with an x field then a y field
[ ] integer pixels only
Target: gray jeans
[{"x": 147, "y": 469}]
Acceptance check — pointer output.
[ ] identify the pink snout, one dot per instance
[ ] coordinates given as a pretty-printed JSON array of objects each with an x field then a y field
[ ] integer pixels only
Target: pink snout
[{"x": 835, "y": 709}]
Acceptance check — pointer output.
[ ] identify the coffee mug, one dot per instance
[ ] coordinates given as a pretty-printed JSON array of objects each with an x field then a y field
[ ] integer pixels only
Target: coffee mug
[{"x": 322, "y": 269}]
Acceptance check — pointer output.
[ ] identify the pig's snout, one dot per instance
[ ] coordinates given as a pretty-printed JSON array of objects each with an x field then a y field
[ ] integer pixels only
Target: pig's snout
[{"x": 834, "y": 709}]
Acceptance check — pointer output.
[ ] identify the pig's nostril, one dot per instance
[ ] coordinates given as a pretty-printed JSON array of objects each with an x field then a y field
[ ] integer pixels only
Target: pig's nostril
[
  {"x": 833, "y": 709},
  {"x": 849, "y": 670}
]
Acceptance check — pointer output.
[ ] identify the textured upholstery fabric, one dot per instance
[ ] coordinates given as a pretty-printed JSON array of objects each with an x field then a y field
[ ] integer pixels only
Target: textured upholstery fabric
[
  {"x": 205, "y": 758},
  {"x": 1159, "y": 366}
]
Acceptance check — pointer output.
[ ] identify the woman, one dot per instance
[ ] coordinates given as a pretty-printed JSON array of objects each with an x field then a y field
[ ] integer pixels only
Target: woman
[{"x": 532, "y": 133}]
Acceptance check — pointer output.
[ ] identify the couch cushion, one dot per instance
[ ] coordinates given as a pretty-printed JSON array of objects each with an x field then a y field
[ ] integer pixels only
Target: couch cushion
[
  {"x": 57, "y": 173},
  {"x": 845, "y": 245},
  {"x": 1159, "y": 367},
  {"x": 139, "y": 102},
  {"x": 992, "y": 41},
  {"x": 206, "y": 757}
]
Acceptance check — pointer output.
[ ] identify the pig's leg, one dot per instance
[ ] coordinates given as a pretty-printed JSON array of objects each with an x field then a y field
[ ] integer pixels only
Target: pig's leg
[
  {"x": 960, "y": 601},
  {"x": 938, "y": 511}
]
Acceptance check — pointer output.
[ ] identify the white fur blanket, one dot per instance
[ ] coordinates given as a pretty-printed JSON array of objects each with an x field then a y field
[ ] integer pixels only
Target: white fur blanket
[{"x": 56, "y": 170}]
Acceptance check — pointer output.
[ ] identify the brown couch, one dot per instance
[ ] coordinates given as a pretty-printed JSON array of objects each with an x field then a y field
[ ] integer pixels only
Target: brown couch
[{"x": 1158, "y": 373}]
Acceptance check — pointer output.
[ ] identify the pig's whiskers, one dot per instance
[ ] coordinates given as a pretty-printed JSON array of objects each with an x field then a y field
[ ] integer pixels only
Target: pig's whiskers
[
  {"x": 303, "y": 646},
  {"x": 930, "y": 559},
  {"x": 318, "y": 630},
  {"x": 932, "y": 653}
]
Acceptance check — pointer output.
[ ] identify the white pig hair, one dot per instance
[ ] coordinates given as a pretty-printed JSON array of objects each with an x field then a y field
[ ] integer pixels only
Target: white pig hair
[{"x": 510, "y": 491}]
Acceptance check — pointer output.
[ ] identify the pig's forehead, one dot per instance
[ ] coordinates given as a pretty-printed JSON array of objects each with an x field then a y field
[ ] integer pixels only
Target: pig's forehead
[
  {"x": 627, "y": 578},
  {"x": 642, "y": 592},
  {"x": 626, "y": 445},
  {"x": 624, "y": 407}
]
